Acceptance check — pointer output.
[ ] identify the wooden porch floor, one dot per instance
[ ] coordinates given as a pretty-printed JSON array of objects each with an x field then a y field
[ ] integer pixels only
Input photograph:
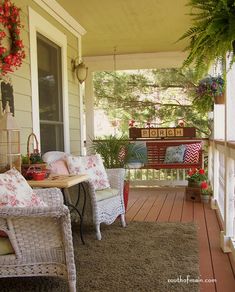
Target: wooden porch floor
[{"x": 169, "y": 205}]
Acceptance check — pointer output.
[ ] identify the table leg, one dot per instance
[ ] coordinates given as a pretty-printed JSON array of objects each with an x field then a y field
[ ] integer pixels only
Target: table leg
[
  {"x": 75, "y": 208},
  {"x": 85, "y": 197}
]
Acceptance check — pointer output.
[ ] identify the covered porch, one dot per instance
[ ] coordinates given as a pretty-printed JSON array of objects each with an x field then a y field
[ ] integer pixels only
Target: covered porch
[{"x": 144, "y": 34}]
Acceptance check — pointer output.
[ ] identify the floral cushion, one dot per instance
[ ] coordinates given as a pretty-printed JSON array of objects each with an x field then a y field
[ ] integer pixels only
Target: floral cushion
[
  {"x": 175, "y": 154},
  {"x": 106, "y": 194},
  {"x": 192, "y": 153},
  {"x": 16, "y": 192},
  {"x": 92, "y": 166},
  {"x": 59, "y": 167}
]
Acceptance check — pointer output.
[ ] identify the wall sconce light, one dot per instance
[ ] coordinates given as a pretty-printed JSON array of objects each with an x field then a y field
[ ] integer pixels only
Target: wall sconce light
[{"x": 80, "y": 69}]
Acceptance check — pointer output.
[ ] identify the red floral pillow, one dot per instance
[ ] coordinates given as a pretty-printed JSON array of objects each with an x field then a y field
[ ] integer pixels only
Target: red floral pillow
[
  {"x": 16, "y": 192},
  {"x": 192, "y": 152},
  {"x": 92, "y": 166},
  {"x": 59, "y": 167}
]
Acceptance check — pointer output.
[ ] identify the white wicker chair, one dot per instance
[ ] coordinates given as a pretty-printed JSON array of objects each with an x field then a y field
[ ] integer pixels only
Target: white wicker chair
[
  {"x": 41, "y": 238},
  {"x": 103, "y": 210},
  {"x": 106, "y": 210}
]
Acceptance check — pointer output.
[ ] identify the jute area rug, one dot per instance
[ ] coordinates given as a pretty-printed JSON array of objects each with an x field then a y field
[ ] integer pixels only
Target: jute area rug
[{"x": 153, "y": 257}]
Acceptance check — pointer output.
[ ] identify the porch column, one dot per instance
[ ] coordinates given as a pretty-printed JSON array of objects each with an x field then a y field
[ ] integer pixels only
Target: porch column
[
  {"x": 215, "y": 177},
  {"x": 228, "y": 231},
  {"x": 218, "y": 134},
  {"x": 89, "y": 109}
]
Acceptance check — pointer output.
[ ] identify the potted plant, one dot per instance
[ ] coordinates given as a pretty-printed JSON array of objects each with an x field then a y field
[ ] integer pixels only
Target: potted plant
[
  {"x": 212, "y": 34},
  {"x": 195, "y": 177},
  {"x": 209, "y": 90},
  {"x": 118, "y": 152},
  {"x": 206, "y": 192},
  {"x": 33, "y": 164},
  {"x": 33, "y": 161}
]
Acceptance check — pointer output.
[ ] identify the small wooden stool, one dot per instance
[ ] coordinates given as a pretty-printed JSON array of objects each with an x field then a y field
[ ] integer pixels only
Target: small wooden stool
[{"x": 193, "y": 194}]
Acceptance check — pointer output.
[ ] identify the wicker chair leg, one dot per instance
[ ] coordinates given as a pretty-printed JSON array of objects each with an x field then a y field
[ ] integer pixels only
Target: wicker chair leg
[
  {"x": 98, "y": 233},
  {"x": 72, "y": 286},
  {"x": 123, "y": 220}
]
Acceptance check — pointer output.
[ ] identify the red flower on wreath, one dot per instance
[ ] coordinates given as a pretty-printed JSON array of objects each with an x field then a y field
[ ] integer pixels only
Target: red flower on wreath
[{"x": 10, "y": 19}]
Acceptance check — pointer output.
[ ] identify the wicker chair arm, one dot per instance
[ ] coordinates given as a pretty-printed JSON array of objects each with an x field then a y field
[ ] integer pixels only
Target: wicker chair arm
[
  {"x": 51, "y": 196},
  {"x": 116, "y": 177},
  {"x": 50, "y": 211}
]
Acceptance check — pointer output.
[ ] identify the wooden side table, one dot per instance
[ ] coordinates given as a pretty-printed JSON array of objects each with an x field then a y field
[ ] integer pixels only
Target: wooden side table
[{"x": 64, "y": 182}]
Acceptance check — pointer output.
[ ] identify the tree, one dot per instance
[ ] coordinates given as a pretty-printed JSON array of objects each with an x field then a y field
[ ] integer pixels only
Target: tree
[{"x": 158, "y": 96}]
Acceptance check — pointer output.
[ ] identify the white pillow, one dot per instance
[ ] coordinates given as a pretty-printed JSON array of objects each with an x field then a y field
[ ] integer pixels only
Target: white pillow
[
  {"x": 16, "y": 192},
  {"x": 52, "y": 156},
  {"x": 92, "y": 166}
]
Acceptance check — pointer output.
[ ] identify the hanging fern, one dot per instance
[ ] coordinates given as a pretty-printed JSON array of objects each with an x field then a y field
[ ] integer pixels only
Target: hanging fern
[{"x": 212, "y": 34}]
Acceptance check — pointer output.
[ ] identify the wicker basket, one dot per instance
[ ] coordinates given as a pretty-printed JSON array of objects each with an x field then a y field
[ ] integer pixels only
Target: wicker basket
[{"x": 28, "y": 169}]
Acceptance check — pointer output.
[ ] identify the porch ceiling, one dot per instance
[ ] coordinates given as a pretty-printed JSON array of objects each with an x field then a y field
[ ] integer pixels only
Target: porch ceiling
[{"x": 132, "y": 26}]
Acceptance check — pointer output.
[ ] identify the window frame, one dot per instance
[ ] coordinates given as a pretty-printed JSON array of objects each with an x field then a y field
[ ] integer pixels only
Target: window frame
[{"x": 38, "y": 24}]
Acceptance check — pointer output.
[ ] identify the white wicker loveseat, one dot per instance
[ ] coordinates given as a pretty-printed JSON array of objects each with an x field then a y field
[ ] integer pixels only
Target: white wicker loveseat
[{"x": 41, "y": 238}]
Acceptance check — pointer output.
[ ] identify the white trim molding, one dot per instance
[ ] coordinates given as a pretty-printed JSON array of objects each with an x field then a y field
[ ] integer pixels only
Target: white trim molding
[
  {"x": 38, "y": 24},
  {"x": 232, "y": 246},
  {"x": 62, "y": 16},
  {"x": 225, "y": 242}
]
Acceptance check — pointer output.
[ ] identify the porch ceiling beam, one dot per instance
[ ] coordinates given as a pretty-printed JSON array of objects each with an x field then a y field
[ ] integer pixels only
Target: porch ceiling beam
[{"x": 135, "y": 61}]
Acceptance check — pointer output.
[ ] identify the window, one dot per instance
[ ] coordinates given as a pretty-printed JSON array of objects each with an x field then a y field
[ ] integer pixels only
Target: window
[
  {"x": 50, "y": 95},
  {"x": 49, "y": 83}
]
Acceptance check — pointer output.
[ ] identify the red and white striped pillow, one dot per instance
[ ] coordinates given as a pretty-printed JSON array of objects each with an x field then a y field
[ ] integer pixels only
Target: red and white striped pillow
[{"x": 192, "y": 152}]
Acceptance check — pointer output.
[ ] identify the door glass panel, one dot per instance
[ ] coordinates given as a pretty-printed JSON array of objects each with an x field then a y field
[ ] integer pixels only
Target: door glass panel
[{"x": 50, "y": 95}]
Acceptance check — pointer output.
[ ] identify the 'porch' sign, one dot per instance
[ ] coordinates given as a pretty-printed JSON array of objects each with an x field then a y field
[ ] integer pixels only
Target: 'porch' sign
[{"x": 162, "y": 133}]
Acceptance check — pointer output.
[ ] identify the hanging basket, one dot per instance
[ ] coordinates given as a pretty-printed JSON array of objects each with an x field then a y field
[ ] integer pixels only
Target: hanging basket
[
  {"x": 220, "y": 99},
  {"x": 33, "y": 165}
]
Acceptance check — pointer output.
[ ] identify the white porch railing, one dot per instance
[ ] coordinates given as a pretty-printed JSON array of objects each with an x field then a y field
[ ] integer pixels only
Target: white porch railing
[
  {"x": 222, "y": 176},
  {"x": 153, "y": 177},
  {"x": 221, "y": 183}
]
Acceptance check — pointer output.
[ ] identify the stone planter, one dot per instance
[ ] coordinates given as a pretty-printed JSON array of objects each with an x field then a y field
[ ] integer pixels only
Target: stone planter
[{"x": 205, "y": 198}]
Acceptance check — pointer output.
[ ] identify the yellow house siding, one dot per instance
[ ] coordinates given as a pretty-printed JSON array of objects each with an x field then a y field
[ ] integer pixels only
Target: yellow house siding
[{"x": 21, "y": 80}]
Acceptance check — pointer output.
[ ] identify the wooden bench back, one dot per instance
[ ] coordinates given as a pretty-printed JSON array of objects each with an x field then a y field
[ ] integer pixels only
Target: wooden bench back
[{"x": 156, "y": 151}]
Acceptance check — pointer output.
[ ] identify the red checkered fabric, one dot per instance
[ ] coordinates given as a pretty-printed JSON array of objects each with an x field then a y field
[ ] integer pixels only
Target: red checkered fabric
[{"x": 192, "y": 152}]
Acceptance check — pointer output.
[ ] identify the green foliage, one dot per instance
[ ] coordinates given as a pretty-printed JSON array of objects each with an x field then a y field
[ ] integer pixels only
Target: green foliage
[
  {"x": 34, "y": 158},
  {"x": 158, "y": 96},
  {"x": 212, "y": 34},
  {"x": 116, "y": 152},
  {"x": 205, "y": 92},
  {"x": 24, "y": 159},
  {"x": 196, "y": 175}
]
